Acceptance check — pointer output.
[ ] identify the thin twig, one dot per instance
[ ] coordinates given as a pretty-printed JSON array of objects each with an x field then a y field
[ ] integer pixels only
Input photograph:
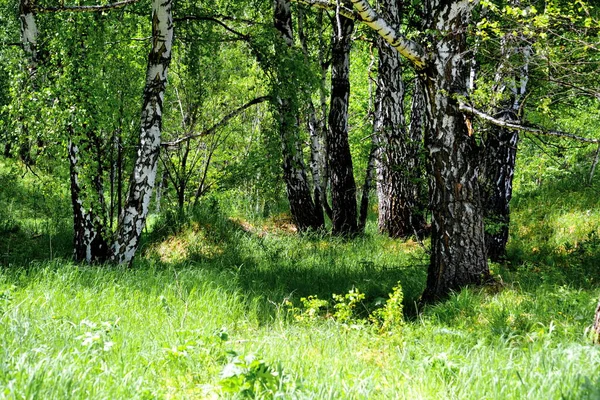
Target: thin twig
[
  {"x": 219, "y": 124},
  {"x": 511, "y": 125},
  {"x": 96, "y": 8}
]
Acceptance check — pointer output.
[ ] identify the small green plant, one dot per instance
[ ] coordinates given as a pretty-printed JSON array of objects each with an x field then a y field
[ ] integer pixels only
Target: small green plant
[
  {"x": 249, "y": 377},
  {"x": 96, "y": 337},
  {"x": 312, "y": 309},
  {"x": 390, "y": 316},
  {"x": 345, "y": 305}
]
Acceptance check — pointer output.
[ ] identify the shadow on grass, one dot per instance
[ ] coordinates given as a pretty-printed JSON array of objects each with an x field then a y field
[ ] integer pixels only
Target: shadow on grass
[
  {"x": 268, "y": 262},
  {"x": 555, "y": 232}
]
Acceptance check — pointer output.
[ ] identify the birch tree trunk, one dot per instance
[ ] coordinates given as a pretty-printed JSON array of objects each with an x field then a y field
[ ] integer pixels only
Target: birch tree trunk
[
  {"x": 458, "y": 256},
  {"x": 29, "y": 36},
  {"x": 416, "y": 130},
  {"x": 135, "y": 211},
  {"x": 397, "y": 156},
  {"x": 316, "y": 130},
  {"x": 29, "y": 32},
  {"x": 89, "y": 244},
  {"x": 305, "y": 213},
  {"x": 500, "y": 147},
  {"x": 339, "y": 160}
]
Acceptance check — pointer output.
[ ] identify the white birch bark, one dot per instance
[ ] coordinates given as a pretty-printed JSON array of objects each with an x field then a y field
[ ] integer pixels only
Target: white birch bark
[
  {"x": 457, "y": 244},
  {"x": 29, "y": 31},
  {"x": 135, "y": 211},
  {"x": 306, "y": 214}
]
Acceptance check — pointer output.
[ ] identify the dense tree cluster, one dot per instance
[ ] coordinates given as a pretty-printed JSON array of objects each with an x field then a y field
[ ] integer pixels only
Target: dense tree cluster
[{"x": 257, "y": 94}]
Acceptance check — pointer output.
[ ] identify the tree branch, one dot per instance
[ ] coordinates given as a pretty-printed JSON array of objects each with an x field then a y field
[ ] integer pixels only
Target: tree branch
[
  {"x": 96, "y": 8},
  {"x": 327, "y": 5},
  {"x": 215, "y": 20},
  {"x": 219, "y": 124},
  {"x": 407, "y": 48},
  {"x": 510, "y": 125}
]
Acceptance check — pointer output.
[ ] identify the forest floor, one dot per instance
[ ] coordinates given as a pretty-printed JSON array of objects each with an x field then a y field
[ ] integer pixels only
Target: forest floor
[{"x": 222, "y": 305}]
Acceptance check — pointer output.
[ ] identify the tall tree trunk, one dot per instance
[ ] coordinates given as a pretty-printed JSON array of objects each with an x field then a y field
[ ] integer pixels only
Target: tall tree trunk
[
  {"x": 305, "y": 213},
  {"x": 324, "y": 64},
  {"x": 29, "y": 33},
  {"x": 500, "y": 147},
  {"x": 458, "y": 256},
  {"x": 29, "y": 36},
  {"x": 316, "y": 133},
  {"x": 366, "y": 189},
  {"x": 416, "y": 130},
  {"x": 397, "y": 177},
  {"x": 498, "y": 167},
  {"x": 133, "y": 217},
  {"x": 89, "y": 244},
  {"x": 339, "y": 159}
]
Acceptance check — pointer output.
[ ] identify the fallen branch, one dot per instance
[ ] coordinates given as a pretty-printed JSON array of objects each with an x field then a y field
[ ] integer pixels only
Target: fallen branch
[{"x": 219, "y": 124}]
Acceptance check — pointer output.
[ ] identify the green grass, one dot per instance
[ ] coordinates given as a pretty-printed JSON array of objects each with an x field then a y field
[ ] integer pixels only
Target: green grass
[{"x": 212, "y": 308}]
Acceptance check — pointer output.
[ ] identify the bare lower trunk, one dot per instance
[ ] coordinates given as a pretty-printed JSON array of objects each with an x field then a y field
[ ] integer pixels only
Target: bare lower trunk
[
  {"x": 88, "y": 241},
  {"x": 416, "y": 131},
  {"x": 316, "y": 161},
  {"x": 133, "y": 217},
  {"x": 458, "y": 256},
  {"x": 339, "y": 160},
  {"x": 366, "y": 190}
]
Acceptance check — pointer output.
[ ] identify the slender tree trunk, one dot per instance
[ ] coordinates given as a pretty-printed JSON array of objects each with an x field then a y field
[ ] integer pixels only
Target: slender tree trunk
[
  {"x": 305, "y": 213},
  {"x": 162, "y": 185},
  {"x": 29, "y": 36},
  {"x": 500, "y": 148},
  {"x": 88, "y": 241},
  {"x": 397, "y": 175},
  {"x": 458, "y": 256},
  {"x": 119, "y": 167},
  {"x": 316, "y": 133},
  {"x": 416, "y": 163},
  {"x": 29, "y": 33},
  {"x": 317, "y": 154},
  {"x": 133, "y": 218},
  {"x": 366, "y": 189},
  {"x": 324, "y": 64},
  {"x": 339, "y": 159}
]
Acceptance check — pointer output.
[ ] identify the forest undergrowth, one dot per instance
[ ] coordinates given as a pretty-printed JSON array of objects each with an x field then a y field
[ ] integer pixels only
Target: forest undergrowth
[{"x": 222, "y": 304}]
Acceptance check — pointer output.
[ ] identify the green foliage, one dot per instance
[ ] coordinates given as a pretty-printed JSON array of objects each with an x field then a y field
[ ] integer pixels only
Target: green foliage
[
  {"x": 390, "y": 316},
  {"x": 248, "y": 377}
]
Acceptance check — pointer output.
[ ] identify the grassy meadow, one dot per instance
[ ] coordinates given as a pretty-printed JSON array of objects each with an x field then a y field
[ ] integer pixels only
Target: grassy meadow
[{"x": 223, "y": 304}]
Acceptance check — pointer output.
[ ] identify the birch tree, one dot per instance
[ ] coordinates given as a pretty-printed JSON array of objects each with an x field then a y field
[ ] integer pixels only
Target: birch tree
[
  {"x": 306, "y": 214},
  {"x": 398, "y": 174},
  {"x": 135, "y": 210},
  {"x": 458, "y": 256},
  {"x": 339, "y": 159},
  {"x": 500, "y": 144}
]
